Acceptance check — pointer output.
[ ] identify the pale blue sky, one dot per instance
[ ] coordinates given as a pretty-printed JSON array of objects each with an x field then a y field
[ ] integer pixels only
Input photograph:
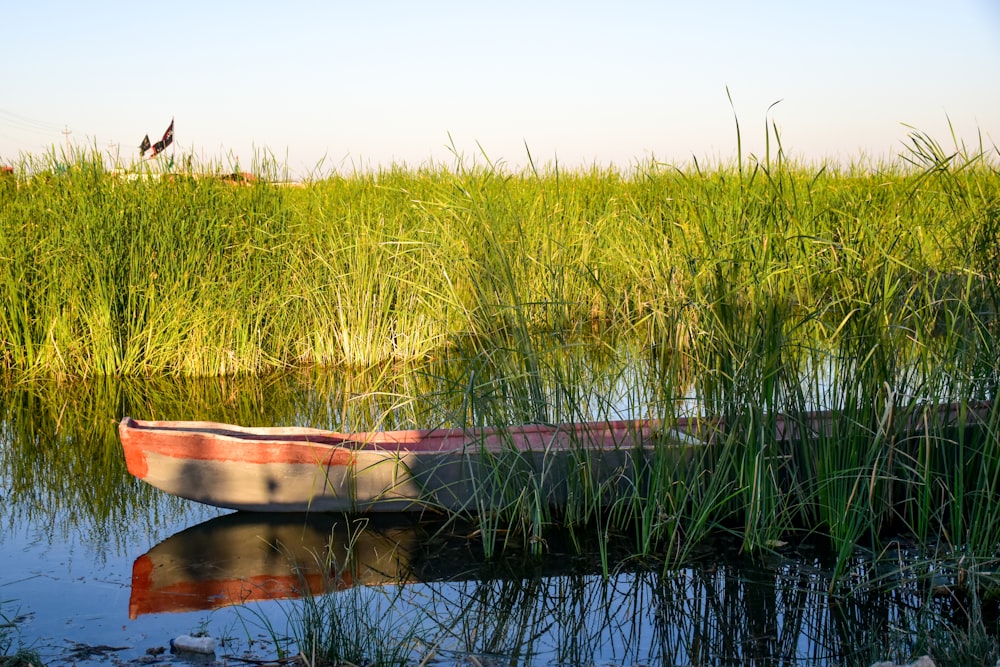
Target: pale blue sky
[{"x": 366, "y": 83}]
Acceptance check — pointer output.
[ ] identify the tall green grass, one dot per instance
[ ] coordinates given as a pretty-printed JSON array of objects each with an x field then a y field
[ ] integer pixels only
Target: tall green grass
[{"x": 759, "y": 291}]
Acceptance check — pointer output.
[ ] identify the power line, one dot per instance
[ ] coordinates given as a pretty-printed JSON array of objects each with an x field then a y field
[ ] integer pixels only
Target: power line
[{"x": 25, "y": 124}]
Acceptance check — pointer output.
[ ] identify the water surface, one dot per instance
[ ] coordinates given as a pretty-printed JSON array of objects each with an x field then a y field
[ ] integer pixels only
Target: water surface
[{"x": 97, "y": 567}]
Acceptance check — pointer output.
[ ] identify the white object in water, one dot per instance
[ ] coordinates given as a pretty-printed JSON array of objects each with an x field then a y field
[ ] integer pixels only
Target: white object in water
[{"x": 189, "y": 644}]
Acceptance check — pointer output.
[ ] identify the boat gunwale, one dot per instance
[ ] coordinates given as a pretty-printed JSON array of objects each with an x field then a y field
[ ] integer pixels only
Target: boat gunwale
[{"x": 629, "y": 432}]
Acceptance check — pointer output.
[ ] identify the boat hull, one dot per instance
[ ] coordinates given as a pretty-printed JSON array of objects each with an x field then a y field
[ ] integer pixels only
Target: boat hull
[
  {"x": 294, "y": 469},
  {"x": 453, "y": 470}
]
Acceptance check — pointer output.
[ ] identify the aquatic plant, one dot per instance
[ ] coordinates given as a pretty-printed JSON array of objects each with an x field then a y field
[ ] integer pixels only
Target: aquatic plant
[
  {"x": 754, "y": 293},
  {"x": 9, "y": 655}
]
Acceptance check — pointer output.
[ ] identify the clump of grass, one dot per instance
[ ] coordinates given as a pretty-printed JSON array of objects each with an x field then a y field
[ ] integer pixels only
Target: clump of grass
[
  {"x": 342, "y": 621},
  {"x": 355, "y": 627},
  {"x": 22, "y": 658},
  {"x": 9, "y": 655}
]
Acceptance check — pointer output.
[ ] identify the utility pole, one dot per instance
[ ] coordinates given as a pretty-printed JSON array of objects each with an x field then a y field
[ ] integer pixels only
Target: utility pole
[
  {"x": 67, "y": 132},
  {"x": 113, "y": 153}
]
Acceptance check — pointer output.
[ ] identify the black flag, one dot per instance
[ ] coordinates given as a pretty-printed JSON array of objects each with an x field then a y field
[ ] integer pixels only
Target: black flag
[
  {"x": 168, "y": 138},
  {"x": 144, "y": 146}
]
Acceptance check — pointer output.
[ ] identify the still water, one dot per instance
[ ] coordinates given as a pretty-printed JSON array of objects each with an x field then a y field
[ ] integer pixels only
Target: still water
[{"x": 96, "y": 568}]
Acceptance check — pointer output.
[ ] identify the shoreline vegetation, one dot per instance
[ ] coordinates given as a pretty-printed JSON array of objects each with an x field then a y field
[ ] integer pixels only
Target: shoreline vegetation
[
  {"x": 748, "y": 290},
  {"x": 111, "y": 274}
]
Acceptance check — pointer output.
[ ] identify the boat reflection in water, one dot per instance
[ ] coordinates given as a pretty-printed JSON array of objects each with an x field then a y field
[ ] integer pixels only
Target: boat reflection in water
[
  {"x": 722, "y": 608},
  {"x": 248, "y": 557}
]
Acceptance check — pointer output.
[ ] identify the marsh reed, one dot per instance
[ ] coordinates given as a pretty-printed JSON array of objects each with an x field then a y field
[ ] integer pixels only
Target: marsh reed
[{"x": 748, "y": 290}]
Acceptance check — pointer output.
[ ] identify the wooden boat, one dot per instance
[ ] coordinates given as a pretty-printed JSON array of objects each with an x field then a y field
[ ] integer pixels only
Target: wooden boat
[{"x": 296, "y": 469}]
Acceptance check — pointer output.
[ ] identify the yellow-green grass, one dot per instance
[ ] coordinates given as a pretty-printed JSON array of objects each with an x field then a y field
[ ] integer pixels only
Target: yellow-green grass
[
  {"x": 763, "y": 287},
  {"x": 103, "y": 275}
]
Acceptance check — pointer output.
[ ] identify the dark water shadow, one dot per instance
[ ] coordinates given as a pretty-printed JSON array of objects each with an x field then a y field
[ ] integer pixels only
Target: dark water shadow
[{"x": 720, "y": 608}]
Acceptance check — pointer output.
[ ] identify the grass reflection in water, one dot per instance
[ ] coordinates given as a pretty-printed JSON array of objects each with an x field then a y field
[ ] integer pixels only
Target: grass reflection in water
[{"x": 398, "y": 590}]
